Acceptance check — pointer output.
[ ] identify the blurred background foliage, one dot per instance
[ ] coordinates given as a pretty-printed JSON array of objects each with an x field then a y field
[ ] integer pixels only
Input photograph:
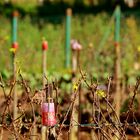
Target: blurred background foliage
[{"x": 91, "y": 22}]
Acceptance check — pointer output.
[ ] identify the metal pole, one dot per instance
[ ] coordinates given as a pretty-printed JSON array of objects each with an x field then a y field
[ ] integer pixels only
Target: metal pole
[
  {"x": 14, "y": 27},
  {"x": 117, "y": 24},
  {"x": 68, "y": 32}
]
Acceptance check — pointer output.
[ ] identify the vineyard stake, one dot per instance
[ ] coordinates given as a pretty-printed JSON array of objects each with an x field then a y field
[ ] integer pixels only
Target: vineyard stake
[
  {"x": 74, "y": 62},
  {"x": 44, "y": 131},
  {"x": 1, "y": 134},
  {"x": 76, "y": 47},
  {"x": 117, "y": 62},
  {"x": 79, "y": 112},
  {"x": 117, "y": 67},
  {"x": 74, "y": 129},
  {"x": 80, "y": 94},
  {"x": 68, "y": 32},
  {"x": 14, "y": 47},
  {"x": 44, "y": 62}
]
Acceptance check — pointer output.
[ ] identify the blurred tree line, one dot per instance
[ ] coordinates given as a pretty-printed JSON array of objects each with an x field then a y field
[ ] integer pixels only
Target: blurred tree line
[
  {"x": 51, "y": 7},
  {"x": 130, "y": 3}
]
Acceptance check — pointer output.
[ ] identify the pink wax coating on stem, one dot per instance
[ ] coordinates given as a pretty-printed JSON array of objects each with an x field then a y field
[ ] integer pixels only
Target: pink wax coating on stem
[{"x": 48, "y": 114}]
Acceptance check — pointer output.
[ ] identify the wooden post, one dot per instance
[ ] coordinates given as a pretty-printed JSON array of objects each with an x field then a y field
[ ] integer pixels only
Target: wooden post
[
  {"x": 1, "y": 134},
  {"x": 74, "y": 130},
  {"x": 80, "y": 95},
  {"x": 79, "y": 108},
  {"x": 76, "y": 114},
  {"x": 44, "y": 135},
  {"x": 68, "y": 22},
  {"x": 74, "y": 61},
  {"x": 44, "y": 63},
  {"x": 14, "y": 47}
]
